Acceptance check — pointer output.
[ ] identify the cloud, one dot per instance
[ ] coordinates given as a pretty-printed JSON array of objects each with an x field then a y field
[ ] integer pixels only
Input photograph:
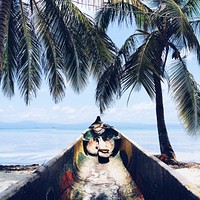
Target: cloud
[
  {"x": 82, "y": 108},
  {"x": 143, "y": 112}
]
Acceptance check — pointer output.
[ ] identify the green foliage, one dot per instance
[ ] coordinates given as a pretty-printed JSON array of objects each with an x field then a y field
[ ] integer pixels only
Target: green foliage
[
  {"x": 108, "y": 85},
  {"x": 166, "y": 28},
  {"x": 5, "y": 12},
  {"x": 186, "y": 93},
  {"x": 50, "y": 37},
  {"x": 141, "y": 66},
  {"x": 123, "y": 11}
]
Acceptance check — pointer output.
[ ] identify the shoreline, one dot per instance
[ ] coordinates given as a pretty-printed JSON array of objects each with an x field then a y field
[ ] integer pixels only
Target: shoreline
[
  {"x": 190, "y": 171},
  {"x": 11, "y": 174}
]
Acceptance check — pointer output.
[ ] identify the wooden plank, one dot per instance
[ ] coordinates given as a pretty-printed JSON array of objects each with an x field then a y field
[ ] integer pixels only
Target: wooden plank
[{"x": 86, "y": 171}]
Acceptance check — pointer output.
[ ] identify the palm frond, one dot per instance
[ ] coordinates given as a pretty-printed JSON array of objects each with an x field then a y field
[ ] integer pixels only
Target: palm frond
[
  {"x": 76, "y": 67},
  {"x": 11, "y": 52},
  {"x": 96, "y": 50},
  {"x": 29, "y": 71},
  {"x": 178, "y": 27},
  {"x": 5, "y": 8},
  {"x": 52, "y": 66},
  {"x": 102, "y": 52},
  {"x": 191, "y": 8},
  {"x": 79, "y": 71},
  {"x": 68, "y": 56},
  {"x": 141, "y": 66},
  {"x": 186, "y": 93},
  {"x": 128, "y": 47},
  {"x": 55, "y": 79},
  {"x": 109, "y": 86},
  {"x": 123, "y": 11},
  {"x": 53, "y": 58},
  {"x": 196, "y": 26},
  {"x": 52, "y": 22},
  {"x": 131, "y": 43},
  {"x": 81, "y": 47}
]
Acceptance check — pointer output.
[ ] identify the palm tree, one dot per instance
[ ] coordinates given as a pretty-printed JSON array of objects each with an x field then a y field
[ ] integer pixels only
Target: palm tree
[
  {"x": 164, "y": 28},
  {"x": 50, "y": 37}
]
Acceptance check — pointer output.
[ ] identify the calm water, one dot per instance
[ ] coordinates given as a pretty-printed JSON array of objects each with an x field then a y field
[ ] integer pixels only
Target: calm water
[{"x": 28, "y": 146}]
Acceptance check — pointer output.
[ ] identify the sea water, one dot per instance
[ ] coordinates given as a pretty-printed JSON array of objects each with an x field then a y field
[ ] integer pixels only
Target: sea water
[
  {"x": 33, "y": 146},
  {"x": 39, "y": 145}
]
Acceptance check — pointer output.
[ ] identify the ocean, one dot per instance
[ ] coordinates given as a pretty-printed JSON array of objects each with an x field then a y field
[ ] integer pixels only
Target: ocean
[{"x": 38, "y": 145}]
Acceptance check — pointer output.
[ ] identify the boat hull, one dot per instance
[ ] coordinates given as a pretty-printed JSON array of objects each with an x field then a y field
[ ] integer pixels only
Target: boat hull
[{"x": 59, "y": 178}]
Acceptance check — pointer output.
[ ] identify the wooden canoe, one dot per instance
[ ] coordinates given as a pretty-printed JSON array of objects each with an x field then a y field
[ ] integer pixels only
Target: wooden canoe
[{"x": 88, "y": 171}]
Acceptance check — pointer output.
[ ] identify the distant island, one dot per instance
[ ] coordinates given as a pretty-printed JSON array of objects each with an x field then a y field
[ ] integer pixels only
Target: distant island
[{"x": 74, "y": 126}]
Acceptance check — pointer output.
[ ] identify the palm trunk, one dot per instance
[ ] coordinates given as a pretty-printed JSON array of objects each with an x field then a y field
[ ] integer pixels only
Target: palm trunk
[{"x": 165, "y": 146}]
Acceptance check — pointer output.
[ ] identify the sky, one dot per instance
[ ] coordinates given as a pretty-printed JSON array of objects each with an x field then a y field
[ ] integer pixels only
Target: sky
[{"x": 82, "y": 108}]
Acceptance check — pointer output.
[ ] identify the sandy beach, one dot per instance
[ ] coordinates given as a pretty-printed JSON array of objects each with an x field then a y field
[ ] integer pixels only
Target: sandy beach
[
  {"x": 192, "y": 174},
  {"x": 10, "y": 175},
  {"x": 8, "y": 179}
]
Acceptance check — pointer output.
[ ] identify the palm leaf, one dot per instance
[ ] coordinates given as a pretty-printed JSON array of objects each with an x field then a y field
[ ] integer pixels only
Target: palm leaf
[
  {"x": 53, "y": 71},
  {"x": 77, "y": 68},
  {"x": 191, "y": 8},
  {"x": 102, "y": 52},
  {"x": 76, "y": 39},
  {"x": 53, "y": 59},
  {"x": 79, "y": 26},
  {"x": 141, "y": 66},
  {"x": 128, "y": 47},
  {"x": 5, "y": 7},
  {"x": 109, "y": 85},
  {"x": 178, "y": 27},
  {"x": 29, "y": 72},
  {"x": 186, "y": 94},
  {"x": 131, "y": 43},
  {"x": 55, "y": 31},
  {"x": 11, "y": 52},
  {"x": 123, "y": 11},
  {"x": 196, "y": 26},
  {"x": 94, "y": 48},
  {"x": 63, "y": 58}
]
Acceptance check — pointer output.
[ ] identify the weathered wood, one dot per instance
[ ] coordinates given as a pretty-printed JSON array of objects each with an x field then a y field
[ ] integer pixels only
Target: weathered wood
[
  {"x": 155, "y": 179},
  {"x": 55, "y": 179}
]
